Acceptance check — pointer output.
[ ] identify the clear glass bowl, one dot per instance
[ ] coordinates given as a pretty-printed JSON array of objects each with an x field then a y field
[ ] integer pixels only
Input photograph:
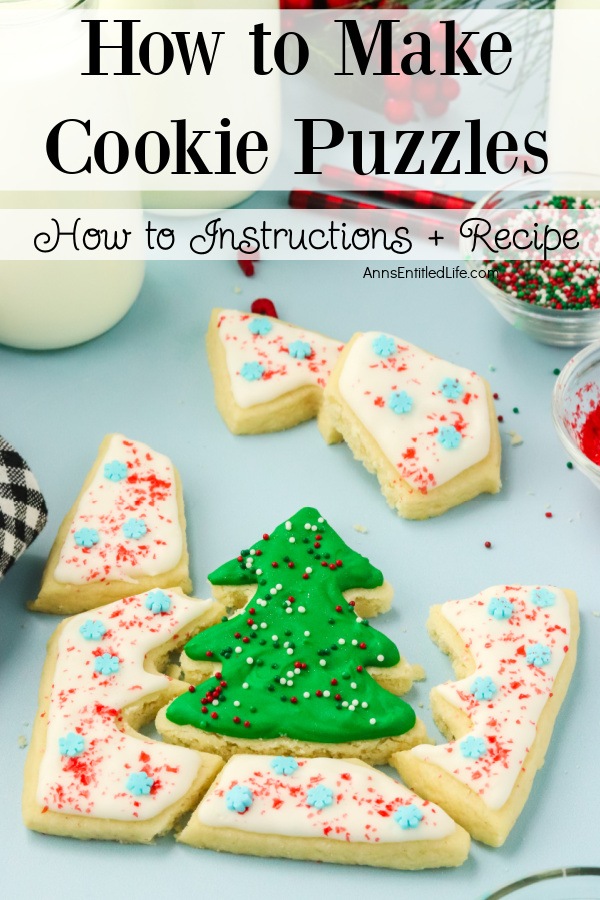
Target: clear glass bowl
[
  {"x": 559, "y": 327},
  {"x": 576, "y": 393},
  {"x": 576, "y": 883}
]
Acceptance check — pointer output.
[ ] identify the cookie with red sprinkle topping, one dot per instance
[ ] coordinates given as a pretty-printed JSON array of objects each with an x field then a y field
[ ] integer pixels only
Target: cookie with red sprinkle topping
[
  {"x": 268, "y": 375},
  {"x": 424, "y": 426},
  {"x": 126, "y": 531}
]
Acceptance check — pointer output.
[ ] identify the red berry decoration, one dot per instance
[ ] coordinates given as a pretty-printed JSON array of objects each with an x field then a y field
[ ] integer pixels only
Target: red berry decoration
[
  {"x": 424, "y": 90},
  {"x": 399, "y": 111},
  {"x": 398, "y": 85},
  {"x": 436, "y": 108},
  {"x": 449, "y": 88}
]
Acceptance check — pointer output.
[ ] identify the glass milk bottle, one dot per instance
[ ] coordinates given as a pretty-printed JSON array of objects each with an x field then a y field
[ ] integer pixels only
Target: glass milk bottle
[
  {"x": 51, "y": 303},
  {"x": 574, "y": 124},
  {"x": 190, "y": 200}
]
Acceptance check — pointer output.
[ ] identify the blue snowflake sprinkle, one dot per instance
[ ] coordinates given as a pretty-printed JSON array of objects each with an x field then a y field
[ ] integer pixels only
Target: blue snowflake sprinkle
[
  {"x": 400, "y": 402},
  {"x": 300, "y": 349},
  {"x": 284, "y": 765},
  {"x": 252, "y": 371},
  {"x": 106, "y": 664},
  {"x": 384, "y": 345},
  {"x": 92, "y": 629},
  {"x": 239, "y": 798},
  {"x": 449, "y": 437},
  {"x": 483, "y": 688},
  {"x": 115, "y": 470},
  {"x": 451, "y": 388},
  {"x": 542, "y": 597},
  {"x": 134, "y": 528},
  {"x": 408, "y": 816},
  {"x": 500, "y": 608},
  {"x": 158, "y": 602},
  {"x": 86, "y": 537},
  {"x": 71, "y": 744},
  {"x": 538, "y": 655},
  {"x": 473, "y": 747},
  {"x": 139, "y": 784},
  {"x": 319, "y": 797},
  {"x": 260, "y": 326}
]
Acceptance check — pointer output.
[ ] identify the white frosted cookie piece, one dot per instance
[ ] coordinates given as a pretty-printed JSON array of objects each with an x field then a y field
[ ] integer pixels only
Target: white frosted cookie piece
[
  {"x": 424, "y": 426},
  {"x": 126, "y": 531},
  {"x": 324, "y": 809},
  {"x": 514, "y": 650},
  {"x": 268, "y": 374},
  {"x": 89, "y": 774}
]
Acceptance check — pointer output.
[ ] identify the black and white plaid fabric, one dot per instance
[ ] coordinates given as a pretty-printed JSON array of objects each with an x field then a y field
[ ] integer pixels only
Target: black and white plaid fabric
[{"x": 23, "y": 510}]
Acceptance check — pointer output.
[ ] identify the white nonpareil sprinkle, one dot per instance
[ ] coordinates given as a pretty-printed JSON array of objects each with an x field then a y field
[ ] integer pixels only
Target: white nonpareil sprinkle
[
  {"x": 307, "y": 634},
  {"x": 289, "y": 651},
  {"x": 380, "y": 658},
  {"x": 372, "y": 721},
  {"x": 236, "y": 702},
  {"x": 301, "y": 609},
  {"x": 306, "y": 695},
  {"x": 245, "y": 685},
  {"x": 289, "y": 609},
  {"x": 288, "y": 526},
  {"x": 249, "y": 660},
  {"x": 326, "y": 693},
  {"x": 322, "y": 662},
  {"x": 292, "y": 540},
  {"x": 258, "y": 571},
  {"x": 341, "y": 642},
  {"x": 238, "y": 649},
  {"x": 274, "y": 637},
  {"x": 308, "y": 570}
]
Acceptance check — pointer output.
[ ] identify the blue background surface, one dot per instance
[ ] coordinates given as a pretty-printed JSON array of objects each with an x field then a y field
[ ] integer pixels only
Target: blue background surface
[{"x": 149, "y": 378}]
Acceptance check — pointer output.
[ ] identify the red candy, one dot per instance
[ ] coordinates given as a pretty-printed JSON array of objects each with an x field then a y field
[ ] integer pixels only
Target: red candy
[{"x": 264, "y": 307}]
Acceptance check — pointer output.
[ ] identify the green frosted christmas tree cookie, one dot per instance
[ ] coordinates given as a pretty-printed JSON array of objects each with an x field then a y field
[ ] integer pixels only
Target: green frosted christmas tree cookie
[{"x": 293, "y": 672}]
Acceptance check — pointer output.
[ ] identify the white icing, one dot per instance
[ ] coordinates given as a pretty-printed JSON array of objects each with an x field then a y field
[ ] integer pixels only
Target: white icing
[
  {"x": 282, "y": 372},
  {"x": 365, "y": 801},
  {"x": 149, "y": 493},
  {"x": 507, "y": 721},
  {"x": 409, "y": 440},
  {"x": 87, "y": 703}
]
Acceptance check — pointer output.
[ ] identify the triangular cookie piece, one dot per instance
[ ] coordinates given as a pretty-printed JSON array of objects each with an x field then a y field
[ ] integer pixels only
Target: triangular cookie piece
[
  {"x": 126, "y": 531},
  {"x": 424, "y": 426},
  {"x": 268, "y": 374},
  {"x": 331, "y": 810}
]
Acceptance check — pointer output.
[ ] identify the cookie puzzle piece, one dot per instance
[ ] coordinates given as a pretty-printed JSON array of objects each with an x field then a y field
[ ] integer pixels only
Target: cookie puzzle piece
[
  {"x": 323, "y": 809},
  {"x": 424, "y": 426},
  {"x": 126, "y": 531},
  {"x": 298, "y": 671},
  {"x": 89, "y": 773},
  {"x": 268, "y": 374},
  {"x": 514, "y": 650}
]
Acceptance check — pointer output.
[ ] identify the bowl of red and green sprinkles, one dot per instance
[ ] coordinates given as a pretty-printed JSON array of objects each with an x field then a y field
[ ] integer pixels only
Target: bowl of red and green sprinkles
[{"x": 555, "y": 300}]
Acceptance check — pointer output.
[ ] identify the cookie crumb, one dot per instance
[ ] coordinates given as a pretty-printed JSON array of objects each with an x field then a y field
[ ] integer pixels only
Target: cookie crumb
[
  {"x": 237, "y": 289},
  {"x": 596, "y": 613},
  {"x": 515, "y": 438},
  {"x": 361, "y": 529},
  {"x": 22, "y": 742}
]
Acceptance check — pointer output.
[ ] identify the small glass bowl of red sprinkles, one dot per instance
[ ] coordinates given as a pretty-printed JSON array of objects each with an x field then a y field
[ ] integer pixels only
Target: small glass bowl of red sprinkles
[
  {"x": 553, "y": 301},
  {"x": 576, "y": 410}
]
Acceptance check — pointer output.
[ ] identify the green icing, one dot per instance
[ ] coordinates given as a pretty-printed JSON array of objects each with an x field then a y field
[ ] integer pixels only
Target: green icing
[{"x": 293, "y": 663}]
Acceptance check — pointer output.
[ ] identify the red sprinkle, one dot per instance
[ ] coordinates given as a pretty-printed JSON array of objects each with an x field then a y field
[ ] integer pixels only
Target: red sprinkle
[
  {"x": 487, "y": 545},
  {"x": 589, "y": 436},
  {"x": 264, "y": 307},
  {"x": 501, "y": 418},
  {"x": 548, "y": 515}
]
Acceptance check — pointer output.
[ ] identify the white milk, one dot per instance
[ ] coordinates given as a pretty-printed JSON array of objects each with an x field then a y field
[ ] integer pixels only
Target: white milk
[
  {"x": 48, "y": 304},
  {"x": 191, "y": 200},
  {"x": 574, "y": 124}
]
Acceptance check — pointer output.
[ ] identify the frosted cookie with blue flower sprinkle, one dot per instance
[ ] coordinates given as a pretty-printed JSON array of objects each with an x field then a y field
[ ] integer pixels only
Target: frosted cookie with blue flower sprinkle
[
  {"x": 89, "y": 772},
  {"x": 424, "y": 426},
  {"x": 331, "y": 810},
  {"x": 513, "y": 649},
  {"x": 125, "y": 532},
  {"x": 268, "y": 375}
]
